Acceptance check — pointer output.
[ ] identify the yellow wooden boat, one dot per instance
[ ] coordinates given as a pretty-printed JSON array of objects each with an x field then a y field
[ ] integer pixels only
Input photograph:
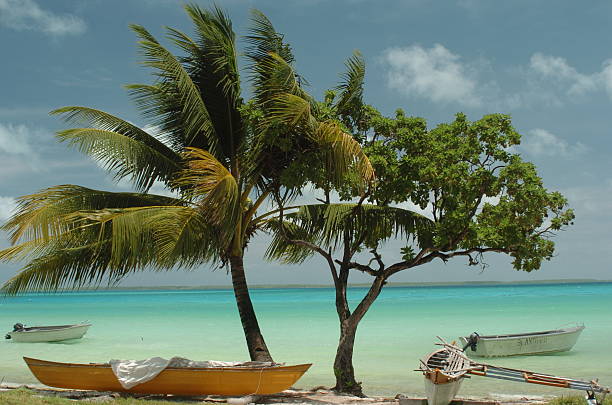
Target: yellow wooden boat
[{"x": 231, "y": 381}]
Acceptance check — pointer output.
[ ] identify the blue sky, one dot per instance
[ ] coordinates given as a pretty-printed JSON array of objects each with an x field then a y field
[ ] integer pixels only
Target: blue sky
[{"x": 546, "y": 63}]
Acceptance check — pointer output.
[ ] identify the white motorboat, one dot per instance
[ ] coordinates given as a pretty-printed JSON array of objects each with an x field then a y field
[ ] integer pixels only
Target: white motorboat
[
  {"x": 550, "y": 341},
  {"x": 37, "y": 334},
  {"x": 444, "y": 370}
]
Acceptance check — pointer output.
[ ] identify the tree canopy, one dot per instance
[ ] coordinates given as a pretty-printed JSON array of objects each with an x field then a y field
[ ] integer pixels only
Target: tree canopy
[{"x": 458, "y": 189}]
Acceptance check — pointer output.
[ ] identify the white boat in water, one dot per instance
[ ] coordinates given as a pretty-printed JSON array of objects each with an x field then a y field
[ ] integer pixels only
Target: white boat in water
[
  {"x": 550, "y": 341},
  {"x": 444, "y": 371},
  {"x": 37, "y": 334}
]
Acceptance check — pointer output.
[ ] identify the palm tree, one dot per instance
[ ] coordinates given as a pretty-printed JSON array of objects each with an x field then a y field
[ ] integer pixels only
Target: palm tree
[{"x": 222, "y": 157}]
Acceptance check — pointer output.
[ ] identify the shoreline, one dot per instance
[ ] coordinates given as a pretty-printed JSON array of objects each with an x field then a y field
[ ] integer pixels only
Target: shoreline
[{"x": 314, "y": 396}]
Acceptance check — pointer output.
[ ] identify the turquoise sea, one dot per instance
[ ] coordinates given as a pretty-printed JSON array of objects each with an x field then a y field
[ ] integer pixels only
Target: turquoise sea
[{"x": 300, "y": 325}]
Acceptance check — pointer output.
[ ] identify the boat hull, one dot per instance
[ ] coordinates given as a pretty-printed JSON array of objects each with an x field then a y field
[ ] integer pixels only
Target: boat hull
[
  {"x": 441, "y": 394},
  {"x": 175, "y": 381},
  {"x": 444, "y": 370},
  {"x": 525, "y": 344},
  {"x": 50, "y": 334}
]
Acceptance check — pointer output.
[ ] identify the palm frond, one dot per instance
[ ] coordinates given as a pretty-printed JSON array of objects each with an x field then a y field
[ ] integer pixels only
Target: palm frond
[
  {"x": 273, "y": 76},
  {"x": 41, "y": 216},
  {"x": 351, "y": 87},
  {"x": 161, "y": 106},
  {"x": 288, "y": 253},
  {"x": 112, "y": 243},
  {"x": 343, "y": 153},
  {"x": 328, "y": 225},
  {"x": 213, "y": 186},
  {"x": 217, "y": 40},
  {"x": 263, "y": 39},
  {"x": 123, "y": 155},
  {"x": 166, "y": 236},
  {"x": 185, "y": 237},
  {"x": 289, "y": 110},
  {"x": 271, "y": 60},
  {"x": 180, "y": 94},
  {"x": 212, "y": 64},
  {"x": 102, "y": 120},
  {"x": 60, "y": 268}
]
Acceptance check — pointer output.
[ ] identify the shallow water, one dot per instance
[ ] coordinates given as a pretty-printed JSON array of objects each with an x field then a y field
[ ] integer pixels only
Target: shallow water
[{"x": 300, "y": 325}]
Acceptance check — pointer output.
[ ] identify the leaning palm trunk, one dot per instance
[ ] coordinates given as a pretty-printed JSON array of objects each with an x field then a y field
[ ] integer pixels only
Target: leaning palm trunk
[{"x": 255, "y": 340}]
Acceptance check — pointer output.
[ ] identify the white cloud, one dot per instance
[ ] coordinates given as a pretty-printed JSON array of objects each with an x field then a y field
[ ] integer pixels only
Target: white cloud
[
  {"x": 540, "y": 142},
  {"x": 558, "y": 69},
  {"x": 568, "y": 78},
  {"x": 24, "y": 15},
  {"x": 591, "y": 201},
  {"x": 7, "y": 207},
  {"x": 14, "y": 139},
  {"x": 435, "y": 73},
  {"x": 442, "y": 76},
  {"x": 16, "y": 152}
]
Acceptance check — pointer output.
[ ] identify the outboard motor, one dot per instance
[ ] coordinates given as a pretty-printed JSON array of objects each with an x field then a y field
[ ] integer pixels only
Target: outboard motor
[
  {"x": 16, "y": 328},
  {"x": 472, "y": 341}
]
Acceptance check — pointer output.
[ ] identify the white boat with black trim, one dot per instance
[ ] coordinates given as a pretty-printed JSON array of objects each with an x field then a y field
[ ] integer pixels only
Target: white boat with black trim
[
  {"x": 549, "y": 341},
  {"x": 38, "y": 334}
]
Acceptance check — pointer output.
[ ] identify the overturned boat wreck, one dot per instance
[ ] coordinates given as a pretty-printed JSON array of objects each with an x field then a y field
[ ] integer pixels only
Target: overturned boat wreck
[
  {"x": 444, "y": 371},
  {"x": 445, "y": 368}
]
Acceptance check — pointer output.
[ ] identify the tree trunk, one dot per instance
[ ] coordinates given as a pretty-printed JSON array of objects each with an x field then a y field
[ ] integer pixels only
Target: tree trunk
[
  {"x": 343, "y": 363},
  {"x": 255, "y": 340}
]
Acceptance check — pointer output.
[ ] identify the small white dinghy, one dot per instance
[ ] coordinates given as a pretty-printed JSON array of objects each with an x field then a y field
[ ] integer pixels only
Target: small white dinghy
[
  {"x": 444, "y": 370},
  {"x": 549, "y": 341},
  {"x": 37, "y": 334}
]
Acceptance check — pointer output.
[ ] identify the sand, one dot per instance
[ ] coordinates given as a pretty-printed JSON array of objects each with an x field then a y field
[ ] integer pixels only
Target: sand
[{"x": 296, "y": 397}]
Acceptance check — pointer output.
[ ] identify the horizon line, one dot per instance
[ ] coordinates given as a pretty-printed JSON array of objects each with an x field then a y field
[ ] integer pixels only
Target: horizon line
[{"x": 351, "y": 285}]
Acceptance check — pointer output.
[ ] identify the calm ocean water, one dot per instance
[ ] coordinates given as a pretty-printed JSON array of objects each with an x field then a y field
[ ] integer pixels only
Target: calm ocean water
[{"x": 300, "y": 325}]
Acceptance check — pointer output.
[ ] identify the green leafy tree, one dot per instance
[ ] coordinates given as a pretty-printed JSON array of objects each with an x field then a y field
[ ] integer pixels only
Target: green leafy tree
[
  {"x": 477, "y": 196},
  {"x": 223, "y": 159}
]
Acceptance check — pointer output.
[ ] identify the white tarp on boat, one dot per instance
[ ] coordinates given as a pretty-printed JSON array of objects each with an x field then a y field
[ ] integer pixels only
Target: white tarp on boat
[{"x": 130, "y": 373}]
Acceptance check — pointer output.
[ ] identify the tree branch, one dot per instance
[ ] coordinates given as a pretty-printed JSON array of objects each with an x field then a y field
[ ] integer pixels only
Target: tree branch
[
  {"x": 358, "y": 266},
  {"x": 378, "y": 259},
  {"x": 397, "y": 267},
  {"x": 327, "y": 256}
]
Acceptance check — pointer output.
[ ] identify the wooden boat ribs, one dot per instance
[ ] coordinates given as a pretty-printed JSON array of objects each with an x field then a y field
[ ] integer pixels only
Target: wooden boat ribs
[{"x": 450, "y": 365}]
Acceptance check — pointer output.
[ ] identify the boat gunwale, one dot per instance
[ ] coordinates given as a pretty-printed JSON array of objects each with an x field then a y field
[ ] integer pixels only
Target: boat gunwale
[
  {"x": 552, "y": 332},
  {"x": 38, "y": 329},
  {"x": 47, "y": 363}
]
